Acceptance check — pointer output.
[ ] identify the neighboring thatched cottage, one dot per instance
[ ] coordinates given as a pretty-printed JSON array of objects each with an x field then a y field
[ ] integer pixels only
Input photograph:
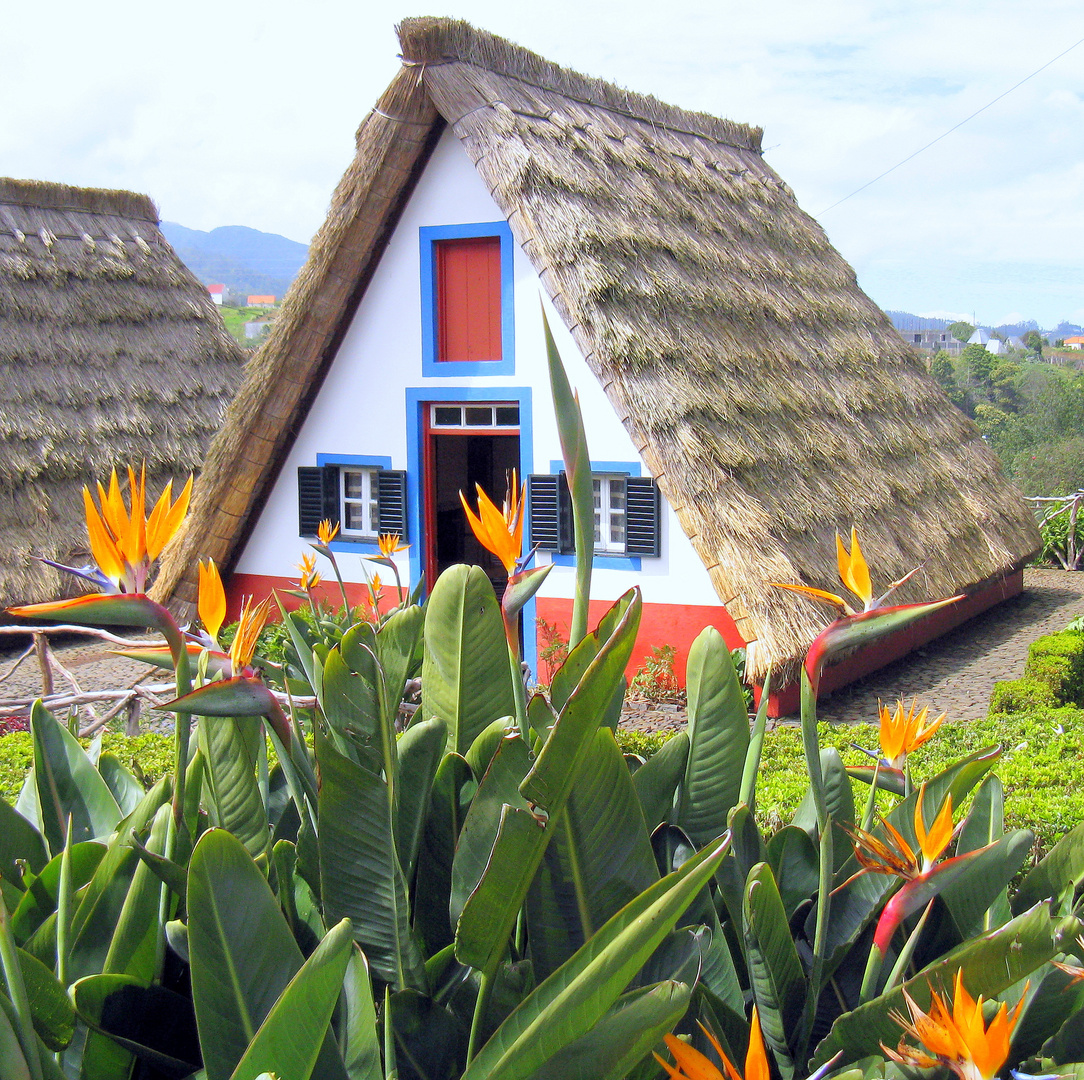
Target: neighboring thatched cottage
[
  {"x": 112, "y": 353},
  {"x": 723, "y": 351}
]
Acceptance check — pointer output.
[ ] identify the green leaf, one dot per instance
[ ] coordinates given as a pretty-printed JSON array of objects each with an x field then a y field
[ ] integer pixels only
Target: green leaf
[
  {"x": 990, "y": 964},
  {"x": 1057, "y": 874},
  {"x": 657, "y": 780},
  {"x": 775, "y": 972},
  {"x": 466, "y": 680},
  {"x": 396, "y": 643},
  {"x": 718, "y": 738},
  {"x": 570, "y": 430},
  {"x": 40, "y": 899},
  {"x": 572, "y": 1000},
  {"x": 360, "y": 875},
  {"x": 970, "y": 896},
  {"x": 420, "y": 750},
  {"x": 427, "y": 1038},
  {"x": 67, "y": 783},
  {"x": 11, "y": 1050},
  {"x": 360, "y": 1043},
  {"x": 796, "y": 866},
  {"x": 629, "y": 1031},
  {"x": 499, "y": 787},
  {"x": 839, "y": 802},
  {"x": 350, "y": 698},
  {"x": 50, "y": 1009},
  {"x": 134, "y": 946},
  {"x": 19, "y": 840},
  {"x": 153, "y": 1023},
  {"x": 241, "y": 950},
  {"x": 290, "y": 1038},
  {"x": 567, "y": 677},
  {"x": 1051, "y": 1023},
  {"x": 126, "y": 789},
  {"x": 230, "y": 745}
]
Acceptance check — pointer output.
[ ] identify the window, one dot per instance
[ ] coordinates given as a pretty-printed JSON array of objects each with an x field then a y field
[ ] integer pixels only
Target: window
[
  {"x": 364, "y": 499},
  {"x": 360, "y": 509},
  {"x": 627, "y": 515},
  {"x": 609, "y": 513},
  {"x": 466, "y": 296}
]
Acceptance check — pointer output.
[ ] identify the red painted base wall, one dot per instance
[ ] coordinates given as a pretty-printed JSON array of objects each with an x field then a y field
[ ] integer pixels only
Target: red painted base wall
[{"x": 678, "y": 625}]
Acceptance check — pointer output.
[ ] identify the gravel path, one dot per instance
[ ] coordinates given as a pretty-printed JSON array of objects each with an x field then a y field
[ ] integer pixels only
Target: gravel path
[{"x": 955, "y": 674}]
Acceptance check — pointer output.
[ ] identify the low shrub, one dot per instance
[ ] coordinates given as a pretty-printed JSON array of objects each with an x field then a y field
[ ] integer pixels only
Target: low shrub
[
  {"x": 1058, "y": 661},
  {"x": 1021, "y": 695}
]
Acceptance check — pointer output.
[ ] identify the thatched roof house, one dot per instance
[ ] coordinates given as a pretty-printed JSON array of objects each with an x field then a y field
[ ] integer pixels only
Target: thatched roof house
[
  {"x": 112, "y": 353},
  {"x": 772, "y": 400}
]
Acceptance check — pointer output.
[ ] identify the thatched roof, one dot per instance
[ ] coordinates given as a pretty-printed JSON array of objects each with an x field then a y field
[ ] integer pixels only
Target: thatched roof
[
  {"x": 111, "y": 351},
  {"x": 770, "y": 397}
]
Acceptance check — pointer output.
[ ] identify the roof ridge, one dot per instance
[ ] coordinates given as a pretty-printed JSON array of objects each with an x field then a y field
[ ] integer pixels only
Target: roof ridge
[
  {"x": 42, "y": 193},
  {"x": 431, "y": 41}
]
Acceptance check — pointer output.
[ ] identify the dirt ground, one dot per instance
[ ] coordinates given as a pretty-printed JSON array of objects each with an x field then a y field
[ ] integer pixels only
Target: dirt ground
[{"x": 955, "y": 674}]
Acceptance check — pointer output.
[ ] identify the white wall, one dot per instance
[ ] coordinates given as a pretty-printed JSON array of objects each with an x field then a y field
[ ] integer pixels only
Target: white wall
[{"x": 361, "y": 407}]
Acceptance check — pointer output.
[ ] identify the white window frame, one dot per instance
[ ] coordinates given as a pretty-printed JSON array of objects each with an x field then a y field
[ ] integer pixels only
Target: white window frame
[
  {"x": 369, "y": 498},
  {"x": 609, "y": 516}
]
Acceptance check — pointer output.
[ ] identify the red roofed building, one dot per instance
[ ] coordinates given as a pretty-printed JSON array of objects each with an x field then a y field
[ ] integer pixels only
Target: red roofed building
[{"x": 218, "y": 293}]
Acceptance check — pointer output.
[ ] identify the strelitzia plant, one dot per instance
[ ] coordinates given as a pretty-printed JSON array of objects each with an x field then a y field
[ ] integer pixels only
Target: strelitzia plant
[{"x": 958, "y": 1036}]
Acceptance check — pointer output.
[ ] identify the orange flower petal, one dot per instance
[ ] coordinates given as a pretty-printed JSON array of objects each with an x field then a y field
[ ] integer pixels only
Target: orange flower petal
[
  {"x": 212, "y": 598},
  {"x": 103, "y": 549}
]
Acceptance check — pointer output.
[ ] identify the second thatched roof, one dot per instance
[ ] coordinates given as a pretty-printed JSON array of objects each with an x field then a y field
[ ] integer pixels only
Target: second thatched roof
[
  {"x": 112, "y": 353},
  {"x": 770, "y": 397}
]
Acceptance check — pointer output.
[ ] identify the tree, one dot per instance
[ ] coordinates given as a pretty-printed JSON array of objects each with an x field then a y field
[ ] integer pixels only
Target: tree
[
  {"x": 961, "y": 331},
  {"x": 978, "y": 363},
  {"x": 1034, "y": 341}
]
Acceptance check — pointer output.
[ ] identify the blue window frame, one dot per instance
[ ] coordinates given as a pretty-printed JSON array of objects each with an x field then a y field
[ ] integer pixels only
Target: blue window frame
[
  {"x": 429, "y": 236},
  {"x": 370, "y": 461}
]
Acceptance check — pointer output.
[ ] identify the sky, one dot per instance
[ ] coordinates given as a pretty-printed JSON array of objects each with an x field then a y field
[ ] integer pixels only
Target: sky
[{"x": 244, "y": 114}]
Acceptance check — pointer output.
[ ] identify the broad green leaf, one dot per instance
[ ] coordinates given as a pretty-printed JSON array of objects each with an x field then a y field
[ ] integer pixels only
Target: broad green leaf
[
  {"x": 796, "y": 866},
  {"x": 839, "y": 802},
  {"x": 153, "y": 1023},
  {"x": 718, "y": 739},
  {"x": 1051, "y": 1022},
  {"x": 396, "y": 643},
  {"x": 990, "y": 964},
  {"x": 67, "y": 783},
  {"x": 11, "y": 1050},
  {"x": 360, "y": 875},
  {"x": 230, "y": 745},
  {"x": 492, "y": 909},
  {"x": 448, "y": 805},
  {"x": 360, "y": 1043},
  {"x": 19, "y": 840},
  {"x": 969, "y": 897},
  {"x": 485, "y": 745},
  {"x": 290, "y": 1038},
  {"x": 50, "y": 1009},
  {"x": 572, "y": 1000},
  {"x": 499, "y": 787},
  {"x": 428, "y": 1039},
  {"x": 776, "y": 974},
  {"x": 241, "y": 949},
  {"x": 350, "y": 699},
  {"x": 567, "y": 677},
  {"x": 126, "y": 789},
  {"x": 134, "y": 945},
  {"x": 656, "y": 781},
  {"x": 420, "y": 750},
  {"x": 630, "y": 1030},
  {"x": 1057, "y": 874},
  {"x": 547, "y": 784},
  {"x": 40, "y": 899},
  {"x": 599, "y": 860},
  {"x": 466, "y": 679}
]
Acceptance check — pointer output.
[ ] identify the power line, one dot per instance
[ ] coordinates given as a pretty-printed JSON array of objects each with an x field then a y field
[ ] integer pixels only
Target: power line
[{"x": 922, "y": 149}]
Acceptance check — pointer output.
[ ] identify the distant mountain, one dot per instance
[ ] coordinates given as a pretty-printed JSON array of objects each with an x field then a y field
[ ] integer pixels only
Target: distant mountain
[
  {"x": 907, "y": 323},
  {"x": 245, "y": 260}
]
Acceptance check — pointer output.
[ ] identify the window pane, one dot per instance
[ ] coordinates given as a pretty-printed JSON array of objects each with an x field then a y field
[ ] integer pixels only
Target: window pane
[
  {"x": 355, "y": 517},
  {"x": 353, "y": 484},
  {"x": 447, "y": 415},
  {"x": 479, "y": 416},
  {"x": 508, "y": 416}
]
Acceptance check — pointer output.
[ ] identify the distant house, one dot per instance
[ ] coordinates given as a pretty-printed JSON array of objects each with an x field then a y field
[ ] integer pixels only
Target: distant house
[
  {"x": 979, "y": 337},
  {"x": 1074, "y": 343},
  {"x": 934, "y": 340},
  {"x": 260, "y": 301},
  {"x": 218, "y": 293},
  {"x": 112, "y": 354},
  {"x": 744, "y": 400}
]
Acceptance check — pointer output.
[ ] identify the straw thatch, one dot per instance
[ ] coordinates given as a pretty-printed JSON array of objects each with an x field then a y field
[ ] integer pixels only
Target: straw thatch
[
  {"x": 112, "y": 352},
  {"x": 772, "y": 400}
]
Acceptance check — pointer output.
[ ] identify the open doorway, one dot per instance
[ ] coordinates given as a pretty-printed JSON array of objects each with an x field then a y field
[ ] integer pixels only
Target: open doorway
[{"x": 465, "y": 445}]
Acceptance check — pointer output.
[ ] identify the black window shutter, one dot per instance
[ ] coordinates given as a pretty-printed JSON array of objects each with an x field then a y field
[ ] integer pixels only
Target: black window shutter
[
  {"x": 542, "y": 511},
  {"x": 642, "y": 525},
  {"x": 332, "y": 504},
  {"x": 566, "y": 543},
  {"x": 391, "y": 502},
  {"x": 310, "y": 499}
]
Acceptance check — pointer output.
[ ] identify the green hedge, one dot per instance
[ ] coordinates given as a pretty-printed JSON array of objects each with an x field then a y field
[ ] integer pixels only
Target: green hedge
[
  {"x": 1042, "y": 749},
  {"x": 1057, "y": 660}
]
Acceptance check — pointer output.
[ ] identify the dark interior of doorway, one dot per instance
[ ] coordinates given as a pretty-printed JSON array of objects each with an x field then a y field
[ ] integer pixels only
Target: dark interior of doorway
[{"x": 459, "y": 462}]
